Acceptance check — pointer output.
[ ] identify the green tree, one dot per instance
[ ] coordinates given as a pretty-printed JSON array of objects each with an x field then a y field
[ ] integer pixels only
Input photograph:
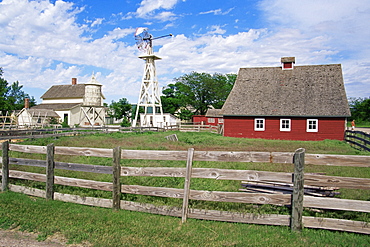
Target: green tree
[
  {"x": 12, "y": 96},
  {"x": 199, "y": 91},
  {"x": 360, "y": 109},
  {"x": 121, "y": 110}
]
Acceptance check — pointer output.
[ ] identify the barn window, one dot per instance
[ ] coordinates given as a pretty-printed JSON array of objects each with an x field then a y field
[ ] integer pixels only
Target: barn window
[
  {"x": 285, "y": 124},
  {"x": 220, "y": 120},
  {"x": 211, "y": 120},
  {"x": 259, "y": 124},
  {"x": 312, "y": 125}
]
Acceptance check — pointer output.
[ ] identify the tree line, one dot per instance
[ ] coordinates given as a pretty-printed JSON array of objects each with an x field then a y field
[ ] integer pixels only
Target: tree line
[{"x": 360, "y": 110}]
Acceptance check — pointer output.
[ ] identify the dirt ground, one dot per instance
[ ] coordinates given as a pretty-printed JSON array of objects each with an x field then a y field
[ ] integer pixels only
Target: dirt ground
[{"x": 14, "y": 238}]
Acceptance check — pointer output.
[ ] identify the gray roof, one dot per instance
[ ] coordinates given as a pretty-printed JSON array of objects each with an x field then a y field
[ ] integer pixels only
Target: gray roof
[
  {"x": 56, "y": 107},
  {"x": 65, "y": 91},
  {"x": 214, "y": 113},
  {"x": 315, "y": 90}
]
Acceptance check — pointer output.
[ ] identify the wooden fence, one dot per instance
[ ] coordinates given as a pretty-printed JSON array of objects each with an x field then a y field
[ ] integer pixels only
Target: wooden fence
[
  {"x": 297, "y": 200},
  {"x": 358, "y": 139}
]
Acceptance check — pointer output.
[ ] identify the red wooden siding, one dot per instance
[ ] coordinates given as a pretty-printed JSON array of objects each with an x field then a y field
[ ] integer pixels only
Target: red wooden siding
[
  {"x": 328, "y": 128},
  {"x": 199, "y": 119},
  {"x": 216, "y": 121}
]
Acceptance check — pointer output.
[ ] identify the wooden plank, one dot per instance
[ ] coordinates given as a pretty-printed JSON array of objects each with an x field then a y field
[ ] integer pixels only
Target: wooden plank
[
  {"x": 28, "y": 148},
  {"x": 63, "y": 165},
  {"x": 208, "y": 214},
  {"x": 338, "y": 160},
  {"x": 239, "y": 197},
  {"x": 91, "y": 201},
  {"x": 27, "y": 190},
  {"x": 83, "y": 183},
  {"x": 342, "y": 182},
  {"x": 212, "y": 173},
  {"x": 27, "y": 176},
  {"x": 116, "y": 178},
  {"x": 337, "y": 224},
  {"x": 185, "y": 202},
  {"x": 309, "y": 222},
  {"x": 336, "y": 203},
  {"x": 82, "y": 151},
  {"x": 50, "y": 165},
  {"x": 5, "y": 166},
  {"x": 298, "y": 191}
]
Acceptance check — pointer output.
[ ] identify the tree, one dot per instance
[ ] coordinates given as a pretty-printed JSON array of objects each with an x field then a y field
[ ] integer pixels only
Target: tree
[
  {"x": 121, "y": 110},
  {"x": 199, "y": 91},
  {"x": 360, "y": 109},
  {"x": 12, "y": 96}
]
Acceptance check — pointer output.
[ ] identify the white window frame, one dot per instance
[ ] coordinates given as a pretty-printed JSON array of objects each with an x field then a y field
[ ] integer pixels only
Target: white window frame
[
  {"x": 257, "y": 122},
  {"x": 211, "y": 120},
  {"x": 282, "y": 120},
  {"x": 220, "y": 120},
  {"x": 309, "y": 124}
]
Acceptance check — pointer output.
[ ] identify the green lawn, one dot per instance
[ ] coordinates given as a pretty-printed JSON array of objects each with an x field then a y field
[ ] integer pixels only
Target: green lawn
[{"x": 104, "y": 227}]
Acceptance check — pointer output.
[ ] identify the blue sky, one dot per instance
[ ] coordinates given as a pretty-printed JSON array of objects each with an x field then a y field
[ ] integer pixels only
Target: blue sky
[{"x": 45, "y": 43}]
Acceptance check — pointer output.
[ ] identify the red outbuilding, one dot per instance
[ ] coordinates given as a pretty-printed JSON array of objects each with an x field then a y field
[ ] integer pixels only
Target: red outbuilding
[{"x": 288, "y": 103}]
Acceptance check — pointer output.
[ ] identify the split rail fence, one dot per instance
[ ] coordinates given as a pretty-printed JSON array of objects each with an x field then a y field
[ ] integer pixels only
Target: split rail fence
[
  {"x": 358, "y": 139},
  {"x": 297, "y": 200}
]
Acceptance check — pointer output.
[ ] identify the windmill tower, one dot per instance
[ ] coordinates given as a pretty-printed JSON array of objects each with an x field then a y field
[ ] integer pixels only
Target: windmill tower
[{"x": 149, "y": 97}]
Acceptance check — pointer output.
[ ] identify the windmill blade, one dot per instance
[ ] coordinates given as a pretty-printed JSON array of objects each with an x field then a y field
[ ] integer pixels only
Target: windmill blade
[{"x": 140, "y": 30}]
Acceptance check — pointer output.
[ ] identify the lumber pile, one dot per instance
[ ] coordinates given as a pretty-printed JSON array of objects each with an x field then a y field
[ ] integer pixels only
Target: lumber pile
[{"x": 286, "y": 188}]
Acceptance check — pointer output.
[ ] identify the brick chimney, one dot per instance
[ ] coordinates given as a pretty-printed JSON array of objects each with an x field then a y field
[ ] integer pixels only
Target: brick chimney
[
  {"x": 26, "y": 103},
  {"x": 74, "y": 81},
  {"x": 287, "y": 62}
]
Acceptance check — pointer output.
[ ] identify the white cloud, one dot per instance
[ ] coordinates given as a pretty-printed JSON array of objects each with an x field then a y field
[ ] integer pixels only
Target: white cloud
[
  {"x": 98, "y": 21},
  {"x": 217, "y": 12},
  {"x": 150, "y": 8}
]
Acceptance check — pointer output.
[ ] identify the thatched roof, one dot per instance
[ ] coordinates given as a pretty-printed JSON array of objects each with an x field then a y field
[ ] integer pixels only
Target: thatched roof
[
  {"x": 56, "y": 107},
  {"x": 214, "y": 113},
  {"x": 65, "y": 91},
  {"x": 316, "y": 90}
]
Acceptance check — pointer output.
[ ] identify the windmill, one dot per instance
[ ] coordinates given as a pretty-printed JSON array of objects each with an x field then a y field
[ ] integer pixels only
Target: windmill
[{"x": 149, "y": 97}]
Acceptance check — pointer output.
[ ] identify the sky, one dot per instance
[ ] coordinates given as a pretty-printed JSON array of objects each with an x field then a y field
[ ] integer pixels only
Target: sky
[{"x": 45, "y": 43}]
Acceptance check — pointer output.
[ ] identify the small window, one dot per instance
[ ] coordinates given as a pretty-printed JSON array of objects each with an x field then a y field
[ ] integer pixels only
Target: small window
[
  {"x": 220, "y": 120},
  {"x": 312, "y": 125},
  {"x": 211, "y": 120},
  {"x": 285, "y": 124},
  {"x": 259, "y": 124}
]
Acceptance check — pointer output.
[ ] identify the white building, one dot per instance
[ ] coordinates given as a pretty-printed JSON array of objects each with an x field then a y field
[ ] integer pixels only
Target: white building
[{"x": 76, "y": 104}]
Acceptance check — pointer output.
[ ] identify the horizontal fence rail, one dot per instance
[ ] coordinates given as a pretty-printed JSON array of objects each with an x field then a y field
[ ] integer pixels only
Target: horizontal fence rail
[
  {"x": 296, "y": 221},
  {"x": 358, "y": 139}
]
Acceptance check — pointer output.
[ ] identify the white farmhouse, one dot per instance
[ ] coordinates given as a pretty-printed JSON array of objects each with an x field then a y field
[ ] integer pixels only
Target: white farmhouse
[{"x": 76, "y": 104}]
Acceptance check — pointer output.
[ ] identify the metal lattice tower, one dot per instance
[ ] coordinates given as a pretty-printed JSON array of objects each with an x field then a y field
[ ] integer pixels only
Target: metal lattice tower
[{"x": 149, "y": 97}]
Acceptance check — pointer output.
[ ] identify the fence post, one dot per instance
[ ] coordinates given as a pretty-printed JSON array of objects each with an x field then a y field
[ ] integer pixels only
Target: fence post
[
  {"x": 5, "y": 166},
  {"x": 50, "y": 165},
  {"x": 116, "y": 178},
  {"x": 185, "y": 202},
  {"x": 298, "y": 190}
]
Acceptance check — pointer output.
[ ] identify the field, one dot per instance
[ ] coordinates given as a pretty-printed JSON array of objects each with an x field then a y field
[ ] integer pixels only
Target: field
[{"x": 103, "y": 227}]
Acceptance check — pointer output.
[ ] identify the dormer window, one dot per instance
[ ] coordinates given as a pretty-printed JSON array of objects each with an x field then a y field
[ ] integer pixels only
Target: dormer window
[{"x": 287, "y": 63}]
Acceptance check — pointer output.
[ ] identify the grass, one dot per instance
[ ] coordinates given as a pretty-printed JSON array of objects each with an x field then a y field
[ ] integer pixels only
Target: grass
[{"x": 103, "y": 227}]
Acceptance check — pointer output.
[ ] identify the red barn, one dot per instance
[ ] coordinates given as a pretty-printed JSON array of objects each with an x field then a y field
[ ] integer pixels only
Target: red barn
[
  {"x": 288, "y": 103},
  {"x": 214, "y": 117}
]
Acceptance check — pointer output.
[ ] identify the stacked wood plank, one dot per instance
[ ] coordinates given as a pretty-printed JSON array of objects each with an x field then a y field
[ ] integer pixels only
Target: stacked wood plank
[{"x": 286, "y": 188}]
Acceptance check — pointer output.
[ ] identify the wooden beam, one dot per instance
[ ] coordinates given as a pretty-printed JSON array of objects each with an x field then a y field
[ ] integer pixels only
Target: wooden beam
[
  {"x": 116, "y": 178},
  {"x": 50, "y": 172},
  {"x": 185, "y": 202},
  {"x": 5, "y": 166},
  {"x": 298, "y": 191}
]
